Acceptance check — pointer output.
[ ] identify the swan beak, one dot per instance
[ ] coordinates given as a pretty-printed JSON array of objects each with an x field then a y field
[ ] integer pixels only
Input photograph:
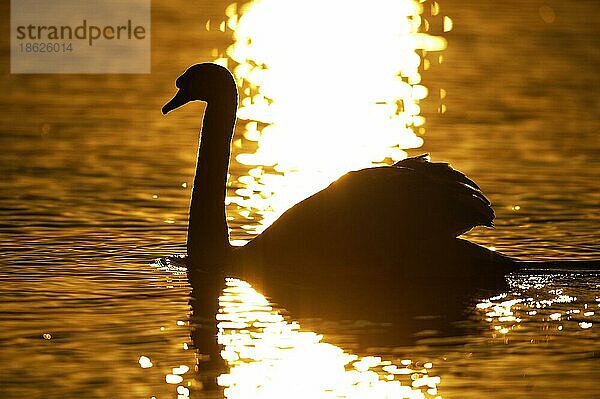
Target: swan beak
[{"x": 181, "y": 98}]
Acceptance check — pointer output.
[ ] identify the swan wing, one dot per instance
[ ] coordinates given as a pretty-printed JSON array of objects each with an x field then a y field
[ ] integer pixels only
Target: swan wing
[
  {"x": 412, "y": 201},
  {"x": 440, "y": 170},
  {"x": 431, "y": 201},
  {"x": 376, "y": 216}
]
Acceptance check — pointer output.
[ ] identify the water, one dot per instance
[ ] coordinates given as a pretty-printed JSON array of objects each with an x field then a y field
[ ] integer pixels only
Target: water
[{"x": 92, "y": 192}]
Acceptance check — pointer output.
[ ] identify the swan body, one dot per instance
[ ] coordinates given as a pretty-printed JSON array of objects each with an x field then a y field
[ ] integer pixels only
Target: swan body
[
  {"x": 378, "y": 209},
  {"x": 392, "y": 227}
]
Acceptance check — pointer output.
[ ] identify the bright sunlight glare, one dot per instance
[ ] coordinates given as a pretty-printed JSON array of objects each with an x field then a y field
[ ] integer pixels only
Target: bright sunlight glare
[
  {"x": 270, "y": 357},
  {"x": 325, "y": 88}
]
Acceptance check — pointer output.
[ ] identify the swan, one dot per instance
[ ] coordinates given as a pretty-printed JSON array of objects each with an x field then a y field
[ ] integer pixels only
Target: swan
[
  {"x": 377, "y": 244},
  {"x": 368, "y": 210},
  {"x": 409, "y": 213},
  {"x": 382, "y": 232}
]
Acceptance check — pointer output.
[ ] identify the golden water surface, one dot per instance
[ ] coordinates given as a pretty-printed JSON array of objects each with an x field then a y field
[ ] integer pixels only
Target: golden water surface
[{"x": 96, "y": 186}]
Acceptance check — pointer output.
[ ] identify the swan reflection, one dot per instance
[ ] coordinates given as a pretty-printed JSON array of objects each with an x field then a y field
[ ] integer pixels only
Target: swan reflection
[{"x": 271, "y": 357}]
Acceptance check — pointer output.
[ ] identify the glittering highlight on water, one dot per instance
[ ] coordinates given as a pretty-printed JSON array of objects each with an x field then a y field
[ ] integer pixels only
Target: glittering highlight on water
[
  {"x": 270, "y": 357},
  {"x": 299, "y": 86}
]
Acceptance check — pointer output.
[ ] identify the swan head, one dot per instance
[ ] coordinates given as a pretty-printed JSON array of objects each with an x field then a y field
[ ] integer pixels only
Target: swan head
[{"x": 203, "y": 82}]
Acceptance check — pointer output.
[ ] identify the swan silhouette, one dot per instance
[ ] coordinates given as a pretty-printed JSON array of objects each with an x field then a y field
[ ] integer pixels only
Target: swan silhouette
[
  {"x": 377, "y": 244},
  {"x": 369, "y": 212},
  {"x": 368, "y": 224},
  {"x": 386, "y": 233}
]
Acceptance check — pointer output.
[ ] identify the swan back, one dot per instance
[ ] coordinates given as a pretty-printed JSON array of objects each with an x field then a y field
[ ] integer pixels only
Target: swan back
[
  {"x": 476, "y": 209},
  {"x": 375, "y": 216},
  {"x": 440, "y": 170}
]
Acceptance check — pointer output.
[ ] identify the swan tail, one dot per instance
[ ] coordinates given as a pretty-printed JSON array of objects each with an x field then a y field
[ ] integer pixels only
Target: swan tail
[{"x": 477, "y": 208}]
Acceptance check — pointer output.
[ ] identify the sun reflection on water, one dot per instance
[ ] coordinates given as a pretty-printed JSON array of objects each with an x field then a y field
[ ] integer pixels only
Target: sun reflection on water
[
  {"x": 325, "y": 88},
  {"x": 270, "y": 357},
  {"x": 506, "y": 312}
]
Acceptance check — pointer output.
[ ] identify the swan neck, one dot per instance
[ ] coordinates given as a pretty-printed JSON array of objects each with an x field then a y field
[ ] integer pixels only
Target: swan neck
[{"x": 208, "y": 237}]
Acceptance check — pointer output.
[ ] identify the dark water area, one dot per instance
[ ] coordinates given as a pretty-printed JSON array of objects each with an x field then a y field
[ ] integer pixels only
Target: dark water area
[{"x": 95, "y": 185}]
